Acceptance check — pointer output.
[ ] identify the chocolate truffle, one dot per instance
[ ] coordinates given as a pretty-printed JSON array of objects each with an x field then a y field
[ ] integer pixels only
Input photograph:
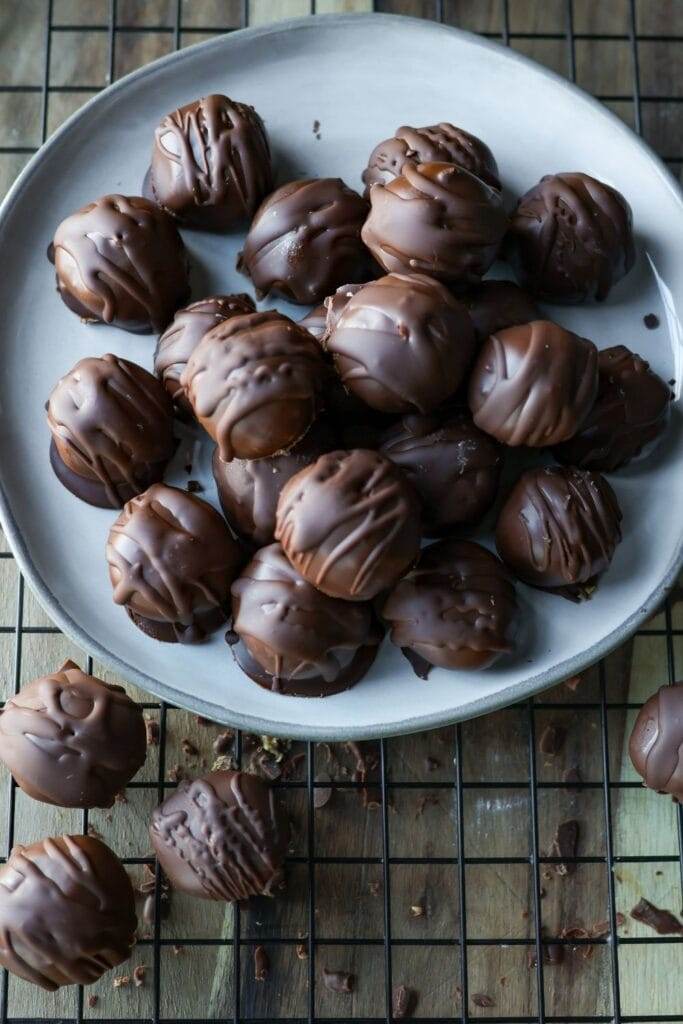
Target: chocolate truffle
[
  {"x": 186, "y": 330},
  {"x": 171, "y": 562},
  {"x": 456, "y": 609},
  {"x": 570, "y": 238},
  {"x": 495, "y": 305},
  {"x": 121, "y": 260},
  {"x": 435, "y": 219},
  {"x": 656, "y": 744},
  {"x": 533, "y": 384},
  {"x": 248, "y": 489},
  {"x": 402, "y": 343},
  {"x": 631, "y": 410},
  {"x": 67, "y": 912},
  {"x": 254, "y": 383},
  {"x": 222, "y": 837},
  {"x": 72, "y": 740},
  {"x": 349, "y": 523},
  {"x": 211, "y": 163},
  {"x": 453, "y": 466},
  {"x": 305, "y": 241},
  {"x": 559, "y": 528},
  {"x": 442, "y": 143},
  {"x": 292, "y": 638},
  {"x": 112, "y": 430}
]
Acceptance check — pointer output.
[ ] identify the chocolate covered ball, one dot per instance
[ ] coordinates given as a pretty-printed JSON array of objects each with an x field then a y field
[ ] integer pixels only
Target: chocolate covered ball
[
  {"x": 67, "y": 912},
  {"x": 171, "y": 562},
  {"x": 656, "y": 743},
  {"x": 570, "y": 238},
  {"x": 453, "y": 466},
  {"x": 559, "y": 529},
  {"x": 112, "y": 430},
  {"x": 249, "y": 489},
  {"x": 349, "y": 523},
  {"x": 435, "y": 219},
  {"x": 183, "y": 334},
  {"x": 254, "y": 383},
  {"x": 533, "y": 384},
  {"x": 222, "y": 837},
  {"x": 71, "y": 740},
  {"x": 495, "y": 305},
  {"x": 456, "y": 609},
  {"x": 293, "y": 639},
  {"x": 631, "y": 410},
  {"x": 211, "y": 163},
  {"x": 305, "y": 241},
  {"x": 402, "y": 343},
  {"x": 442, "y": 143},
  {"x": 120, "y": 260}
]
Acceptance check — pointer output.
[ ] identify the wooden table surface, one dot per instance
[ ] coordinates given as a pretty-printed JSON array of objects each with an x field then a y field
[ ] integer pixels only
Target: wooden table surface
[{"x": 347, "y": 877}]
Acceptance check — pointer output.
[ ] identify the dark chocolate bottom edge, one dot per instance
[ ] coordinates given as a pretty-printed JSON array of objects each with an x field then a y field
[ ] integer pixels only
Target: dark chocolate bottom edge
[
  {"x": 94, "y": 492},
  {"x": 316, "y": 686},
  {"x": 176, "y": 632}
]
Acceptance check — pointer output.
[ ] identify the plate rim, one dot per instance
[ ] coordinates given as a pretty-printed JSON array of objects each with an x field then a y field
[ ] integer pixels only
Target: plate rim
[{"x": 253, "y": 723}]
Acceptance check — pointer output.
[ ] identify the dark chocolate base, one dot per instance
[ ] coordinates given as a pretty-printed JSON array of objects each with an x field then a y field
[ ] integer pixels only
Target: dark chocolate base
[
  {"x": 94, "y": 492},
  {"x": 176, "y": 632},
  {"x": 315, "y": 686},
  {"x": 421, "y": 667},
  {"x": 214, "y": 219}
]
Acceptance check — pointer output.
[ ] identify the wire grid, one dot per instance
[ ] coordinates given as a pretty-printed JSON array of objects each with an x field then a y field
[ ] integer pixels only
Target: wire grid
[{"x": 457, "y": 786}]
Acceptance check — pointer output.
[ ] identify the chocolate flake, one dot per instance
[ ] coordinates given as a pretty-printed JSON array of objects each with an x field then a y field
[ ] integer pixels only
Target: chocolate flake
[
  {"x": 153, "y": 732},
  {"x": 121, "y": 981},
  {"x": 552, "y": 739},
  {"x": 188, "y": 748},
  {"x": 223, "y": 742},
  {"x": 177, "y": 949},
  {"x": 302, "y": 951},
  {"x": 651, "y": 321},
  {"x": 481, "y": 999},
  {"x": 403, "y": 1002},
  {"x": 93, "y": 1001},
  {"x": 338, "y": 981},
  {"x": 261, "y": 964},
  {"x": 661, "y": 921},
  {"x": 573, "y": 683},
  {"x": 417, "y": 910},
  {"x": 194, "y": 487},
  {"x": 322, "y": 794},
  {"x": 564, "y": 845},
  {"x": 139, "y": 975}
]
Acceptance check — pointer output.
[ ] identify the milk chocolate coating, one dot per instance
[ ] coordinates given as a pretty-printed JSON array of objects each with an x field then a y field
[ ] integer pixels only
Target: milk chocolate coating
[
  {"x": 222, "y": 837},
  {"x": 349, "y": 523},
  {"x": 570, "y": 238},
  {"x": 456, "y": 609},
  {"x": 533, "y": 384},
  {"x": 112, "y": 430},
  {"x": 435, "y": 219},
  {"x": 67, "y": 912},
  {"x": 294, "y": 639},
  {"x": 211, "y": 163},
  {"x": 314, "y": 322},
  {"x": 441, "y": 143},
  {"x": 248, "y": 489},
  {"x": 121, "y": 260},
  {"x": 171, "y": 562},
  {"x": 559, "y": 528},
  {"x": 402, "y": 343},
  {"x": 631, "y": 410},
  {"x": 495, "y": 305},
  {"x": 453, "y": 466},
  {"x": 254, "y": 383},
  {"x": 186, "y": 330},
  {"x": 656, "y": 743},
  {"x": 305, "y": 241}
]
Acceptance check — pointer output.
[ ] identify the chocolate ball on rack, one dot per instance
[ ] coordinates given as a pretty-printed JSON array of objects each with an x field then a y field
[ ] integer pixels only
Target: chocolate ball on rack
[
  {"x": 305, "y": 241},
  {"x": 293, "y": 639},
  {"x": 559, "y": 529},
  {"x": 67, "y": 912},
  {"x": 254, "y": 383},
  {"x": 171, "y": 562},
  {"x": 112, "y": 430},
  {"x": 349, "y": 523},
  {"x": 438, "y": 142},
  {"x": 456, "y": 609},
  {"x": 222, "y": 837},
  {"x": 495, "y": 305},
  {"x": 71, "y": 740},
  {"x": 533, "y": 384},
  {"x": 211, "y": 163},
  {"x": 435, "y": 219},
  {"x": 571, "y": 238},
  {"x": 656, "y": 743},
  {"x": 183, "y": 334},
  {"x": 120, "y": 260}
]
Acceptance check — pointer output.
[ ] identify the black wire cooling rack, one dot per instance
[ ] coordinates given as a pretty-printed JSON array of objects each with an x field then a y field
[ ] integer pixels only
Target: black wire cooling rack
[{"x": 456, "y": 787}]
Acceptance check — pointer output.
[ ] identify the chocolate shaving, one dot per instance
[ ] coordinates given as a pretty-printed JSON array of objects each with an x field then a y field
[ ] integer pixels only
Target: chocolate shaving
[
  {"x": 565, "y": 844},
  {"x": 139, "y": 975},
  {"x": 261, "y": 964},
  {"x": 121, "y": 981},
  {"x": 403, "y": 1002},
  {"x": 302, "y": 951},
  {"x": 574, "y": 932},
  {"x": 93, "y": 1001},
  {"x": 417, "y": 910},
  {"x": 661, "y": 921},
  {"x": 153, "y": 732},
  {"x": 481, "y": 999},
  {"x": 338, "y": 981},
  {"x": 322, "y": 794},
  {"x": 552, "y": 739},
  {"x": 188, "y": 748}
]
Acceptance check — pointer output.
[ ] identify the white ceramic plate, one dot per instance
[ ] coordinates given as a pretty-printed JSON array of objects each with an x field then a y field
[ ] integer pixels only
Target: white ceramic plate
[{"x": 359, "y": 77}]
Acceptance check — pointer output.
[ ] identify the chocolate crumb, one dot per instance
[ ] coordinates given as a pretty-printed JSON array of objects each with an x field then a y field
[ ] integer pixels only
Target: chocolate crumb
[
  {"x": 231, "y": 637},
  {"x": 153, "y": 731},
  {"x": 651, "y": 321},
  {"x": 417, "y": 910},
  {"x": 661, "y": 921},
  {"x": 121, "y": 981},
  {"x": 318, "y": 136},
  {"x": 194, "y": 487},
  {"x": 481, "y": 999},
  {"x": 93, "y": 1001},
  {"x": 302, "y": 951},
  {"x": 223, "y": 742},
  {"x": 552, "y": 739},
  {"x": 322, "y": 794},
  {"x": 403, "y": 1002},
  {"x": 564, "y": 845},
  {"x": 573, "y": 683},
  {"x": 188, "y": 748},
  {"x": 316, "y": 126},
  {"x": 175, "y": 773},
  {"x": 431, "y": 764},
  {"x": 139, "y": 975},
  {"x": 120, "y": 797},
  {"x": 503, "y": 981},
  {"x": 338, "y": 981},
  {"x": 92, "y": 831},
  {"x": 177, "y": 949},
  {"x": 659, "y": 872},
  {"x": 261, "y": 964}
]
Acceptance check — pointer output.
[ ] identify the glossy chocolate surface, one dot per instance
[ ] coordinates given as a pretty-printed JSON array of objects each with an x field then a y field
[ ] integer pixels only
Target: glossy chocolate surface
[
  {"x": 314, "y": 322},
  {"x": 656, "y": 743},
  {"x": 222, "y": 837},
  {"x": 495, "y": 305},
  {"x": 533, "y": 384}
]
